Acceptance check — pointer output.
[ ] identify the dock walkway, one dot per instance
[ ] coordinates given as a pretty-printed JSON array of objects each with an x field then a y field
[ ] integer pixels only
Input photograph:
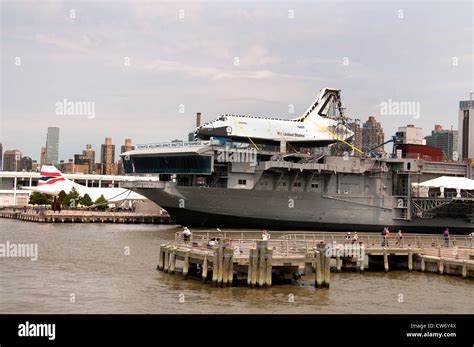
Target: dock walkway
[
  {"x": 83, "y": 216},
  {"x": 243, "y": 257}
]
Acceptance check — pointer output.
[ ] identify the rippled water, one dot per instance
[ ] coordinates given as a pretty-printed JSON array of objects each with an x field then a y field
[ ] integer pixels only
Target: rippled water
[{"x": 89, "y": 261}]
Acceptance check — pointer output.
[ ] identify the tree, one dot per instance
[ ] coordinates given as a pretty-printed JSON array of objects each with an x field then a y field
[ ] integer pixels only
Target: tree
[
  {"x": 37, "y": 198},
  {"x": 63, "y": 198},
  {"x": 101, "y": 203},
  {"x": 71, "y": 199},
  {"x": 74, "y": 195},
  {"x": 86, "y": 200}
]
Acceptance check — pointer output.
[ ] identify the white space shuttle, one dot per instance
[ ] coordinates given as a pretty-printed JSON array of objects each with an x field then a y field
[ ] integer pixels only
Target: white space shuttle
[
  {"x": 322, "y": 124},
  {"x": 51, "y": 182}
]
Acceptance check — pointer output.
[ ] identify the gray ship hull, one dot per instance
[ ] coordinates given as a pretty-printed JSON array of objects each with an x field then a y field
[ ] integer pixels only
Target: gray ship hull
[{"x": 248, "y": 208}]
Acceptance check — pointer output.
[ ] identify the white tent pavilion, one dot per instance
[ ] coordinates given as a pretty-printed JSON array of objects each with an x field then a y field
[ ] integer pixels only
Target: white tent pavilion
[{"x": 446, "y": 182}]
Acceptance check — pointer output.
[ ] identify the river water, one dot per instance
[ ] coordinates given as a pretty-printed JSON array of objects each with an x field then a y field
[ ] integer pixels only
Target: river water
[{"x": 111, "y": 268}]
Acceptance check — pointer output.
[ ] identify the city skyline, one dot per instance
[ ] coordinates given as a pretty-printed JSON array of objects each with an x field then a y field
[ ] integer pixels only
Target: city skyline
[
  {"x": 128, "y": 143},
  {"x": 263, "y": 60}
]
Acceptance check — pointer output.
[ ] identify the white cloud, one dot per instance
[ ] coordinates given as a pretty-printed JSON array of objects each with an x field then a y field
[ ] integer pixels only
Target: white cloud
[
  {"x": 213, "y": 73},
  {"x": 257, "y": 55},
  {"x": 79, "y": 45}
]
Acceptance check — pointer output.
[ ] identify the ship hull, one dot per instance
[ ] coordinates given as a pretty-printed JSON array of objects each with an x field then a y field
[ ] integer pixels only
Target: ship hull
[{"x": 240, "y": 208}]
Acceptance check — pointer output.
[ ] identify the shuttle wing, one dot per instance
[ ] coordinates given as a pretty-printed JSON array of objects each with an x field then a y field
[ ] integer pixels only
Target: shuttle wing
[{"x": 52, "y": 182}]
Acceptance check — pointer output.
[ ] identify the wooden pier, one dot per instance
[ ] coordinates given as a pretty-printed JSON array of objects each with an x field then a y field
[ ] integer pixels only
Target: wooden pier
[
  {"x": 244, "y": 259},
  {"x": 82, "y": 216}
]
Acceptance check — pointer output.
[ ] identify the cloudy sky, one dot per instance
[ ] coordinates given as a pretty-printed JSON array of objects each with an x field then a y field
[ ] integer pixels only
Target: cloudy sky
[{"x": 149, "y": 66}]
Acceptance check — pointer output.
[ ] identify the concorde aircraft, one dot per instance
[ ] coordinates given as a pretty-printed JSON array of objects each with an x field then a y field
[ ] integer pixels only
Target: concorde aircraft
[
  {"x": 322, "y": 124},
  {"x": 51, "y": 182}
]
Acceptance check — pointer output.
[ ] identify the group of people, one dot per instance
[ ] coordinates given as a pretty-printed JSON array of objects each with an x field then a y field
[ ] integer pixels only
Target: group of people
[
  {"x": 352, "y": 238},
  {"x": 386, "y": 237}
]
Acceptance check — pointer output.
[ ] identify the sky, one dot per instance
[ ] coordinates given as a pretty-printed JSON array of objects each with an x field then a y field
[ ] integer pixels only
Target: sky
[{"x": 147, "y": 67}]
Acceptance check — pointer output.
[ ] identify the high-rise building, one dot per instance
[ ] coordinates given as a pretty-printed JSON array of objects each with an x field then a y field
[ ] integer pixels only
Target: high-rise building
[
  {"x": 466, "y": 129},
  {"x": 52, "y": 146},
  {"x": 11, "y": 160},
  {"x": 357, "y": 139},
  {"x": 372, "y": 135},
  {"x": 43, "y": 156},
  {"x": 1, "y": 156},
  {"x": 82, "y": 164},
  {"x": 126, "y": 147},
  {"x": 107, "y": 157},
  {"x": 447, "y": 140},
  {"x": 35, "y": 166},
  {"x": 72, "y": 167},
  {"x": 87, "y": 158},
  {"x": 89, "y": 153},
  {"x": 411, "y": 135},
  {"x": 26, "y": 163}
]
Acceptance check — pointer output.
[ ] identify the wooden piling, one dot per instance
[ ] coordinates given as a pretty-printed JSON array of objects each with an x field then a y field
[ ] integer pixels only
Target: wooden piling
[
  {"x": 464, "y": 269},
  {"x": 262, "y": 269},
  {"x": 385, "y": 260},
  {"x": 410, "y": 260},
  {"x": 225, "y": 268},
  {"x": 338, "y": 263},
  {"x": 215, "y": 266},
  {"x": 172, "y": 261},
  {"x": 361, "y": 264},
  {"x": 441, "y": 266},
  {"x": 317, "y": 265},
  {"x": 166, "y": 260},
  {"x": 220, "y": 261},
  {"x": 254, "y": 255},
  {"x": 268, "y": 258},
  {"x": 227, "y": 254},
  {"x": 249, "y": 270},
  {"x": 230, "y": 272},
  {"x": 323, "y": 259},
  {"x": 423, "y": 264},
  {"x": 204, "y": 269},
  {"x": 186, "y": 265},
  {"x": 161, "y": 258},
  {"x": 327, "y": 270}
]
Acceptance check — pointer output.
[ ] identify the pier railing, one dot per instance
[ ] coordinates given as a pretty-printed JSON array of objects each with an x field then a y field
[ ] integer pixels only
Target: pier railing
[
  {"x": 302, "y": 243},
  {"x": 242, "y": 242},
  {"x": 371, "y": 239}
]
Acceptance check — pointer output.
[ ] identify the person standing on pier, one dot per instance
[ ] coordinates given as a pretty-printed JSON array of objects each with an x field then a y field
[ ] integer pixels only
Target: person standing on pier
[
  {"x": 265, "y": 235},
  {"x": 348, "y": 237},
  {"x": 446, "y": 237},
  {"x": 385, "y": 236},
  {"x": 400, "y": 238},
  {"x": 355, "y": 238},
  {"x": 186, "y": 235}
]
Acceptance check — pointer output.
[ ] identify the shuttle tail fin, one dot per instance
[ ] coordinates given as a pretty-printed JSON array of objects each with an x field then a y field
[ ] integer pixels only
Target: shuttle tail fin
[
  {"x": 49, "y": 176},
  {"x": 327, "y": 114},
  {"x": 326, "y": 105}
]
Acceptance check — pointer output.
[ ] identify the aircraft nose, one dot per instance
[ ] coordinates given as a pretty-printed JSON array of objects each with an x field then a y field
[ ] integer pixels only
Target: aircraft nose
[{"x": 205, "y": 131}]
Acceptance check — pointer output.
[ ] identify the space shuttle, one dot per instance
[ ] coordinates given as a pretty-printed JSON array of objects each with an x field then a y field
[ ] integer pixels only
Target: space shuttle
[
  {"x": 52, "y": 182},
  {"x": 321, "y": 125}
]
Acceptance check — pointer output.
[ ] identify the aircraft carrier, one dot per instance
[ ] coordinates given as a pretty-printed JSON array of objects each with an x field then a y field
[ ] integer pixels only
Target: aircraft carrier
[{"x": 237, "y": 184}]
